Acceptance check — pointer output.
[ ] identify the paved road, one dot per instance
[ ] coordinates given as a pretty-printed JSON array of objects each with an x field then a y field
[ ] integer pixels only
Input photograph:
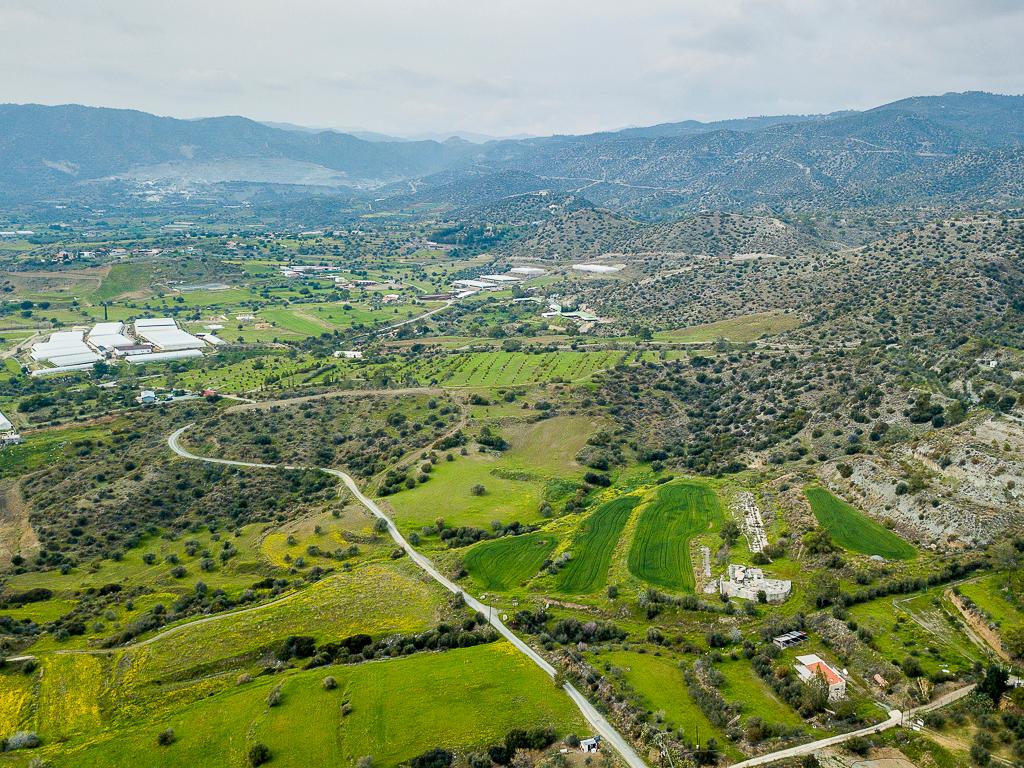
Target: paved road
[
  {"x": 895, "y": 718},
  {"x": 595, "y": 718}
]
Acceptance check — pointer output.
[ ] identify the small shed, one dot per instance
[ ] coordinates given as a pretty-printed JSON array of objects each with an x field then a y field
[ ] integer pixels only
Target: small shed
[{"x": 593, "y": 744}]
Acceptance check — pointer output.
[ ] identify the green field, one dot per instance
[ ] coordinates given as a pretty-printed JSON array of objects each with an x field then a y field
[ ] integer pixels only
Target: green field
[
  {"x": 509, "y": 561},
  {"x": 495, "y": 369},
  {"x": 989, "y": 594},
  {"x": 592, "y": 550},
  {"x": 660, "y": 553},
  {"x": 659, "y": 682},
  {"x": 479, "y": 694},
  {"x": 853, "y": 530},
  {"x": 740, "y": 329},
  {"x": 743, "y": 685}
]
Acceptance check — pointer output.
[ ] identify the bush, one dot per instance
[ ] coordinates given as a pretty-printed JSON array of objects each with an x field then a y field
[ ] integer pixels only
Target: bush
[
  {"x": 164, "y": 738},
  {"x": 433, "y": 758},
  {"x": 259, "y": 754},
  {"x": 330, "y": 683},
  {"x": 274, "y": 698}
]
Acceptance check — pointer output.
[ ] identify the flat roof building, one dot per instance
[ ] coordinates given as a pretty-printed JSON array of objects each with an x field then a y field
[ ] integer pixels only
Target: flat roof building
[{"x": 164, "y": 334}]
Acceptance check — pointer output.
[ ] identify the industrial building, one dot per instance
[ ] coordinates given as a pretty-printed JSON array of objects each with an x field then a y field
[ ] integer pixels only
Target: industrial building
[
  {"x": 152, "y": 339},
  {"x": 65, "y": 348},
  {"x": 165, "y": 335}
]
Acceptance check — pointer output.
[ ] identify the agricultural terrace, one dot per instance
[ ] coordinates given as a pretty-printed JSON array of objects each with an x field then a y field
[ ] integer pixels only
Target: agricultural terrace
[
  {"x": 853, "y": 530},
  {"x": 506, "y": 369},
  {"x": 591, "y": 552},
  {"x": 660, "y": 553},
  {"x": 509, "y": 561}
]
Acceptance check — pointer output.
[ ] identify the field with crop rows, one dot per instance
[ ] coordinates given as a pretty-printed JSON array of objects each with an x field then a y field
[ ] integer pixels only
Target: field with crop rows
[
  {"x": 496, "y": 369},
  {"x": 509, "y": 561},
  {"x": 592, "y": 551},
  {"x": 660, "y": 553}
]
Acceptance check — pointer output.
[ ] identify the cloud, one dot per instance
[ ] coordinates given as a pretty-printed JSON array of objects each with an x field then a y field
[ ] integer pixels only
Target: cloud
[{"x": 413, "y": 66}]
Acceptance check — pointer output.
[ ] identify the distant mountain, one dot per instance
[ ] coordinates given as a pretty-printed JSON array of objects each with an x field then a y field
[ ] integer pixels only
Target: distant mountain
[
  {"x": 45, "y": 149},
  {"x": 958, "y": 147}
]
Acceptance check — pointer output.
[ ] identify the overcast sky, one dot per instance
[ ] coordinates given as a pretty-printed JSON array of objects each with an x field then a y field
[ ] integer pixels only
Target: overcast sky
[{"x": 497, "y": 67}]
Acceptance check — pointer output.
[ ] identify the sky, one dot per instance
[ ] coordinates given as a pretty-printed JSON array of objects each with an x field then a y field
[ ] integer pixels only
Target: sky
[{"x": 503, "y": 68}]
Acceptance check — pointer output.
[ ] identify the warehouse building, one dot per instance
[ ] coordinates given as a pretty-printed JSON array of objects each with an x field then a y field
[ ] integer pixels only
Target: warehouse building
[
  {"x": 109, "y": 338},
  {"x": 65, "y": 348},
  {"x": 164, "y": 334}
]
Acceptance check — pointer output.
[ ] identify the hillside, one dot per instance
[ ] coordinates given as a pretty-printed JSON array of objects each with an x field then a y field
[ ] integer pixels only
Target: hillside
[{"x": 959, "y": 148}]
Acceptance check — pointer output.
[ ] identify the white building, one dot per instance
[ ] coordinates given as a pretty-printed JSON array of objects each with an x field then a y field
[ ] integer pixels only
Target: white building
[
  {"x": 147, "y": 396},
  {"x": 107, "y": 338},
  {"x": 480, "y": 285},
  {"x": 745, "y": 583},
  {"x": 812, "y": 666},
  {"x": 65, "y": 348},
  {"x": 164, "y": 334},
  {"x": 5, "y": 423}
]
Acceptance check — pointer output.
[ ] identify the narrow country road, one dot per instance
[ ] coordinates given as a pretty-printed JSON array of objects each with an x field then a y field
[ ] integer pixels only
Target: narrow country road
[
  {"x": 895, "y": 718},
  {"x": 595, "y": 718}
]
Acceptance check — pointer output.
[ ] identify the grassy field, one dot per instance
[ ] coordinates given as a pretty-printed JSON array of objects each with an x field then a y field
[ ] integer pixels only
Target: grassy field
[
  {"x": 659, "y": 682},
  {"x": 743, "y": 685},
  {"x": 515, "y": 481},
  {"x": 508, "y": 562},
  {"x": 592, "y": 550},
  {"x": 44, "y": 447},
  {"x": 739, "y": 329},
  {"x": 853, "y": 530},
  {"x": 660, "y": 553},
  {"x": 374, "y": 599},
  {"x": 122, "y": 279},
  {"x": 989, "y": 594},
  {"x": 478, "y": 693}
]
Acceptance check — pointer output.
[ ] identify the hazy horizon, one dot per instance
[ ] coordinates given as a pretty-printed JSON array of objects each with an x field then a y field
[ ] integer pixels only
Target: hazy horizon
[{"x": 504, "y": 69}]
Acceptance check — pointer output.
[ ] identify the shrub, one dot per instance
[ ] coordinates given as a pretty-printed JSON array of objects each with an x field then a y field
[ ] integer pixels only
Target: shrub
[
  {"x": 330, "y": 683},
  {"x": 164, "y": 738},
  {"x": 259, "y": 754},
  {"x": 274, "y": 698},
  {"x": 433, "y": 758}
]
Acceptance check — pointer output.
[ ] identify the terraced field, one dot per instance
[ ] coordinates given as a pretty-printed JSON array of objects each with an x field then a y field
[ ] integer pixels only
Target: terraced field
[
  {"x": 495, "y": 369},
  {"x": 853, "y": 530},
  {"x": 510, "y": 561},
  {"x": 660, "y": 553},
  {"x": 587, "y": 571}
]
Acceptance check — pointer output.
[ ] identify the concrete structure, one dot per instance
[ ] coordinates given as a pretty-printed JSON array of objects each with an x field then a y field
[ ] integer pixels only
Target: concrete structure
[
  {"x": 746, "y": 583},
  {"x": 812, "y": 666},
  {"x": 5, "y": 423},
  {"x": 593, "y": 744},
  {"x": 146, "y": 397},
  {"x": 10, "y": 438},
  {"x": 349, "y": 354}
]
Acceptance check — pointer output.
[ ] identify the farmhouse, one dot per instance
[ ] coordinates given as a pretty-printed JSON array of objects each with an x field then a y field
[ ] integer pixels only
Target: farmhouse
[
  {"x": 747, "y": 583},
  {"x": 811, "y": 667}
]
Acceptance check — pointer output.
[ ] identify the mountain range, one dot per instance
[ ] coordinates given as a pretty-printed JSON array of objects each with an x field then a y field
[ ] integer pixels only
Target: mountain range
[{"x": 954, "y": 148}]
